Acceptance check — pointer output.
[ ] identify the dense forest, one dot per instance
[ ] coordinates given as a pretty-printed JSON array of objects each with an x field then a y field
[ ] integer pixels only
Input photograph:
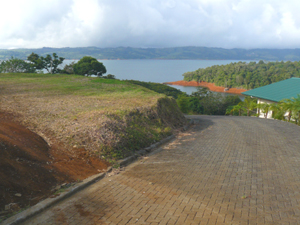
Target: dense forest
[
  {"x": 246, "y": 75},
  {"x": 158, "y": 53}
]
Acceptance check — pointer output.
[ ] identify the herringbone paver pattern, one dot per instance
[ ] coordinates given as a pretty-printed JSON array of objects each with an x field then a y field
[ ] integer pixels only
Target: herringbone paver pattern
[{"x": 224, "y": 170}]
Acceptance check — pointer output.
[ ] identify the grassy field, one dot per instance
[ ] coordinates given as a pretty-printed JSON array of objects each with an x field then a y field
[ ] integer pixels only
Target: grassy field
[{"x": 101, "y": 115}]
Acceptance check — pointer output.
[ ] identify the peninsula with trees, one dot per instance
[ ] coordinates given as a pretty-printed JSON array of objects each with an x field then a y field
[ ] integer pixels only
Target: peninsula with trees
[{"x": 245, "y": 75}]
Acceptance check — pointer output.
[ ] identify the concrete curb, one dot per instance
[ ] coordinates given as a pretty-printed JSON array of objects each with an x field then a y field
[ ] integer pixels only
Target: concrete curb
[
  {"x": 144, "y": 151},
  {"x": 47, "y": 203}
]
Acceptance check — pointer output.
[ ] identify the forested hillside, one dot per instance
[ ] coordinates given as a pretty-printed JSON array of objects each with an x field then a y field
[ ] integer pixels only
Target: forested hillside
[
  {"x": 246, "y": 75},
  {"x": 190, "y": 52}
]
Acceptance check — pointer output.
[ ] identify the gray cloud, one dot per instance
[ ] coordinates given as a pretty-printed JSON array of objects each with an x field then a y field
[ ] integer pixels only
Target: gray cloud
[{"x": 150, "y": 23}]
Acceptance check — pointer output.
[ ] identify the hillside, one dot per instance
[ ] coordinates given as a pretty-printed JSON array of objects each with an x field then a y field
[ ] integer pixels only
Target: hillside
[
  {"x": 58, "y": 129},
  {"x": 159, "y": 53}
]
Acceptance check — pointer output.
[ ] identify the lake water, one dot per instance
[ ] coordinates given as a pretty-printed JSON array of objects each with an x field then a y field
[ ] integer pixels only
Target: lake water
[{"x": 158, "y": 70}]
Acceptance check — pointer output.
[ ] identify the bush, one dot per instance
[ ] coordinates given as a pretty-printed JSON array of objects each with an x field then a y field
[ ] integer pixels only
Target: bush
[
  {"x": 89, "y": 66},
  {"x": 183, "y": 103},
  {"x": 15, "y": 65},
  {"x": 109, "y": 76},
  {"x": 195, "y": 106}
]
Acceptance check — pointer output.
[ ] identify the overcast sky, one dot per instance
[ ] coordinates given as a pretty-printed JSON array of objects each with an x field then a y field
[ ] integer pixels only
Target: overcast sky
[{"x": 150, "y": 23}]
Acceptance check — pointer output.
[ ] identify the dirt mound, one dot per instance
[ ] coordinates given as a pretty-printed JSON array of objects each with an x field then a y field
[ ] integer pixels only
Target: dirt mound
[
  {"x": 30, "y": 168},
  {"x": 211, "y": 86}
]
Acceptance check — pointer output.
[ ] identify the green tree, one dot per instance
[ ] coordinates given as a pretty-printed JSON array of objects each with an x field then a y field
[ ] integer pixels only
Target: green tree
[
  {"x": 249, "y": 104},
  {"x": 229, "y": 111},
  {"x": 238, "y": 108},
  {"x": 264, "y": 107},
  {"x": 214, "y": 103},
  {"x": 287, "y": 106},
  {"x": 234, "y": 110},
  {"x": 49, "y": 63},
  {"x": 201, "y": 92},
  {"x": 89, "y": 66},
  {"x": 69, "y": 68},
  {"x": 110, "y": 76},
  {"x": 183, "y": 103},
  {"x": 277, "y": 111},
  {"x": 230, "y": 100},
  {"x": 36, "y": 61},
  {"x": 195, "y": 106},
  {"x": 296, "y": 109},
  {"x": 15, "y": 65}
]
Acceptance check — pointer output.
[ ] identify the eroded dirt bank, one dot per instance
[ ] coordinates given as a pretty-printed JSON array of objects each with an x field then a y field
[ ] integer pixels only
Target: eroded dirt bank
[
  {"x": 30, "y": 169},
  {"x": 211, "y": 86},
  {"x": 55, "y": 129}
]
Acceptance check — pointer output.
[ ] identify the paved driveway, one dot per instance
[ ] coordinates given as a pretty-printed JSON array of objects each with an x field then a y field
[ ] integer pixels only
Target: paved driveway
[{"x": 224, "y": 170}]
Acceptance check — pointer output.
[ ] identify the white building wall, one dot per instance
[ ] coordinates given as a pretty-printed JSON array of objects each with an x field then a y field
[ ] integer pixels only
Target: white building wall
[{"x": 261, "y": 114}]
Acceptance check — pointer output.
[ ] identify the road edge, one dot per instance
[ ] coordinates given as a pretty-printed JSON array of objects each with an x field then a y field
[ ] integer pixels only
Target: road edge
[{"x": 49, "y": 202}]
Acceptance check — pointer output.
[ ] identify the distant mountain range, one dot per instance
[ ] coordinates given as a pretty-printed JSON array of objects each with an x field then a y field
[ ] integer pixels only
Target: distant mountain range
[{"x": 203, "y": 53}]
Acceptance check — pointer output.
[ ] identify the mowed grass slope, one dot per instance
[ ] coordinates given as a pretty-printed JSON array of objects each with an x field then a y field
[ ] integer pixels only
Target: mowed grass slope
[{"x": 94, "y": 113}]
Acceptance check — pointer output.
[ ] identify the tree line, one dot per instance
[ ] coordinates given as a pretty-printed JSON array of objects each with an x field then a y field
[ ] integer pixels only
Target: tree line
[
  {"x": 286, "y": 109},
  {"x": 246, "y": 75},
  {"x": 159, "y": 88},
  {"x": 38, "y": 64},
  {"x": 204, "y": 101}
]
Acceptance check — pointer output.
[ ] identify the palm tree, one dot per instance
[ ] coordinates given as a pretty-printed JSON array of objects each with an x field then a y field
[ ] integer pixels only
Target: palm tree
[
  {"x": 248, "y": 104},
  {"x": 236, "y": 108},
  {"x": 265, "y": 107},
  {"x": 296, "y": 108},
  {"x": 277, "y": 111},
  {"x": 229, "y": 110},
  {"x": 287, "y": 106}
]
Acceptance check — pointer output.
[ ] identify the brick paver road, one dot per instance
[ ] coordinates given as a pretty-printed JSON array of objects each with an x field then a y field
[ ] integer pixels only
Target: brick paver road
[{"x": 224, "y": 170}]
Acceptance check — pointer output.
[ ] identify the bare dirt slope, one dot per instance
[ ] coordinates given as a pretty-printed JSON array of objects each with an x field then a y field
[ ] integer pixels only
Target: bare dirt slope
[{"x": 30, "y": 168}]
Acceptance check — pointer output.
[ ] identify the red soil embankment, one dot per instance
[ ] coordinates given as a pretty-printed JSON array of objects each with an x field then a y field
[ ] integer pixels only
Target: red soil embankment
[
  {"x": 30, "y": 168},
  {"x": 211, "y": 86}
]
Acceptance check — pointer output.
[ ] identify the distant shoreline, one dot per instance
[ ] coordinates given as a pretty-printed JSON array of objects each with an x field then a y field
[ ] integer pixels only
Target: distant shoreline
[
  {"x": 243, "y": 60},
  {"x": 211, "y": 86},
  {"x": 170, "y": 53}
]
